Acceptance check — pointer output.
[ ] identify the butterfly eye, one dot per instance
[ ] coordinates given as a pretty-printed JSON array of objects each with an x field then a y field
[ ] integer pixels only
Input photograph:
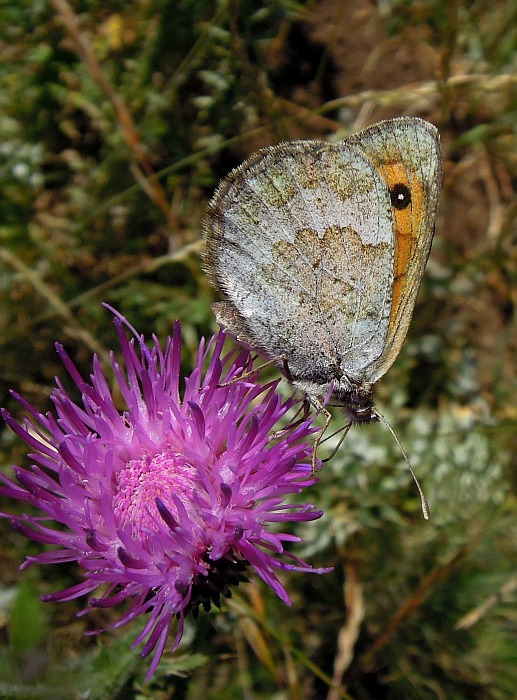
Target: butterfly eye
[{"x": 400, "y": 196}]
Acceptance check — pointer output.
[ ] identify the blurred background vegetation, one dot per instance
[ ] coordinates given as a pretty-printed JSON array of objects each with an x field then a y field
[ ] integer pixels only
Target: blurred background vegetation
[{"x": 117, "y": 121}]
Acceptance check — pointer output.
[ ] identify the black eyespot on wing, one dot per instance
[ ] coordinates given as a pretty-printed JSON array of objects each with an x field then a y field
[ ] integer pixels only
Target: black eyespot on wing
[{"x": 400, "y": 196}]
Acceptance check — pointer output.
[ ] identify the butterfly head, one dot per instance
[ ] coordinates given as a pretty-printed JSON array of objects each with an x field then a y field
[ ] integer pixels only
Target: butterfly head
[{"x": 356, "y": 400}]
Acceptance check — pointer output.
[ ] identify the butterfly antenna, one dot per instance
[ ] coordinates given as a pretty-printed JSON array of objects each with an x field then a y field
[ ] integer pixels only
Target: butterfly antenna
[{"x": 423, "y": 499}]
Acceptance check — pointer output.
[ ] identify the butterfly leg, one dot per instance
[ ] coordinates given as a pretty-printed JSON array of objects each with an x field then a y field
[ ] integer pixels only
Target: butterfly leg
[
  {"x": 314, "y": 402},
  {"x": 250, "y": 373},
  {"x": 320, "y": 408},
  {"x": 345, "y": 430}
]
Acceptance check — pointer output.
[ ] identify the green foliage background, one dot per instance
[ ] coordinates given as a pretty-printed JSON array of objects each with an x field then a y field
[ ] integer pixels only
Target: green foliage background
[{"x": 117, "y": 121}]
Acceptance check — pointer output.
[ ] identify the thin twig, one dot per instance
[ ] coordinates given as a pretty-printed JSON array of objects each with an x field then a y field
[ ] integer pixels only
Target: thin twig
[
  {"x": 125, "y": 120},
  {"x": 59, "y": 308},
  {"x": 474, "y": 616},
  {"x": 410, "y": 94},
  {"x": 426, "y": 587},
  {"x": 144, "y": 268}
]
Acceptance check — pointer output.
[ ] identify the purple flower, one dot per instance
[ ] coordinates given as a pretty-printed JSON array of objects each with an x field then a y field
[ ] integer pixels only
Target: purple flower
[{"x": 167, "y": 504}]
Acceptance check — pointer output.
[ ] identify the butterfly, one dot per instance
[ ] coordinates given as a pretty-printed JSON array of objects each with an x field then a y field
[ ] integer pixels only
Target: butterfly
[{"x": 318, "y": 250}]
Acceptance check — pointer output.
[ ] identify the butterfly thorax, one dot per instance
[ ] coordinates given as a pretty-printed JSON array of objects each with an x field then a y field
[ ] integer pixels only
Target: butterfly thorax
[{"x": 355, "y": 398}]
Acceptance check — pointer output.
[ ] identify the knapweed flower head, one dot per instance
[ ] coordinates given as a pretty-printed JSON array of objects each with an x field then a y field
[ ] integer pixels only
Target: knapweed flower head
[{"x": 169, "y": 503}]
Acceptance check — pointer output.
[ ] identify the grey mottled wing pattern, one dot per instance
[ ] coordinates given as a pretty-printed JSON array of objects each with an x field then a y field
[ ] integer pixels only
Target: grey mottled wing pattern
[{"x": 300, "y": 243}]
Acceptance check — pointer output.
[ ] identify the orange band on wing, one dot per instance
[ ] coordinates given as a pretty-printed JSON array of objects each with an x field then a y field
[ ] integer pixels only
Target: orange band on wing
[{"x": 406, "y": 227}]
